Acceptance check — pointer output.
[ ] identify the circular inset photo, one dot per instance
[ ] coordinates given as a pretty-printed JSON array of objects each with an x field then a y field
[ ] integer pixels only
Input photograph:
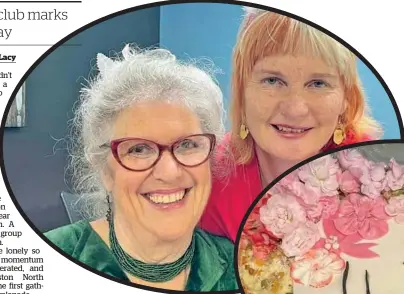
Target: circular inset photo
[
  {"x": 334, "y": 225},
  {"x": 139, "y": 142}
]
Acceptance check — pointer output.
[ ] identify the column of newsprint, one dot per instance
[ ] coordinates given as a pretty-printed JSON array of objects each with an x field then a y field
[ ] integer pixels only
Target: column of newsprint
[{"x": 21, "y": 267}]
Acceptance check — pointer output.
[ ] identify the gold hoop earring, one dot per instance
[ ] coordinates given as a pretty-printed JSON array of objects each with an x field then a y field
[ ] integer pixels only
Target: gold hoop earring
[
  {"x": 339, "y": 134},
  {"x": 244, "y": 131}
]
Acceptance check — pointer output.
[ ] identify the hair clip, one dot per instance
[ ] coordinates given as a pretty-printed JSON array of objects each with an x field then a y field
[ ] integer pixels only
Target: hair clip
[
  {"x": 104, "y": 63},
  {"x": 126, "y": 52}
]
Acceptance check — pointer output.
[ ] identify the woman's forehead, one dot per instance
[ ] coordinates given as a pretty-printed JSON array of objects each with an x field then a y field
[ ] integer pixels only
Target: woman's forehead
[
  {"x": 156, "y": 120},
  {"x": 289, "y": 63},
  {"x": 274, "y": 34}
]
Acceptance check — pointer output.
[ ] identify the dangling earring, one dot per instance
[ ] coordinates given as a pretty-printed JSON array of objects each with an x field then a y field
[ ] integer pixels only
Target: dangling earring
[
  {"x": 339, "y": 133},
  {"x": 109, "y": 210},
  {"x": 243, "y": 131}
]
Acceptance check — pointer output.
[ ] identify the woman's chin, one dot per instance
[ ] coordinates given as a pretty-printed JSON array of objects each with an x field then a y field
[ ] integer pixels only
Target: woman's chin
[
  {"x": 293, "y": 155},
  {"x": 168, "y": 221},
  {"x": 173, "y": 231},
  {"x": 297, "y": 156},
  {"x": 295, "y": 150}
]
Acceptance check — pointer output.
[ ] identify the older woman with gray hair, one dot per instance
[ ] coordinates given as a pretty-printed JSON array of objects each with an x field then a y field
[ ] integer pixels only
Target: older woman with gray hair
[{"x": 144, "y": 133}]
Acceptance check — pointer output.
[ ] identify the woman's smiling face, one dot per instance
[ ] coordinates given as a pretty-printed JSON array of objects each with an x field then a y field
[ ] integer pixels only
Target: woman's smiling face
[
  {"x": 168, "y": 199},
  {"x": 292, "y": 105}
]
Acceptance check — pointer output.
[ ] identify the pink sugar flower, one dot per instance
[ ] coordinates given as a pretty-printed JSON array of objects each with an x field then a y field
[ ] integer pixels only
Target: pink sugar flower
[
  {"x": 291, "y": 184},
  {"x": 372, "y": 178},
  {"x": 338, "y": 243},
  {"x": 308, "y": 194},
  {"x": 322, "y": 175},
  {"x": 348, "y": 183},
  {"x": 325, "y": 208},
  {"x": 281, "y": 214},
  {"x": 317, "y": 268},
  {"x": 305, "y": 194},
  {"x": 300, "y": 240},
  {"x": 351, "y": 157},
  {"x": 395, "y": 208},
  {"x": 395, "y": 176},
  {"x": 363, "y": 215}
]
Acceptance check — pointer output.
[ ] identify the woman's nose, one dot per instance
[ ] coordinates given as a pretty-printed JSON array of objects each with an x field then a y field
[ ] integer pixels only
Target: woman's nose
[
  {"x": 167, "y": 168},
  {"x": 294, "y": 105}
]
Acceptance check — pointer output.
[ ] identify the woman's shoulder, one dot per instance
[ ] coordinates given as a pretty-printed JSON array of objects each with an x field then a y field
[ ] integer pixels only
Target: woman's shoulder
[
  {"x": 80, "y": 241},
  {"x": 234, "y": 188},
  {"x": 72, "y": 230},
  {"x": 219, "y": 245},
  {"x": 215, "y": 262},
  {"x": 67, "y": 237}
]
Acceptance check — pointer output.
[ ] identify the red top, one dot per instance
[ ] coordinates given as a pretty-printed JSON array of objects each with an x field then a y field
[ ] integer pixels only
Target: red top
[{"x": 230, "y": 199}]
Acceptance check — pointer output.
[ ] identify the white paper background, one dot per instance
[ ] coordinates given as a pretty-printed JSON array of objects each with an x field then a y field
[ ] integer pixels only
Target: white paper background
[{"x": 372, "y": 28}]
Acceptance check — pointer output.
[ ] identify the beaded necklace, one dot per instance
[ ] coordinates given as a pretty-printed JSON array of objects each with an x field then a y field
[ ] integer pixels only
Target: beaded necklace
[{"x": 155, "y": 273}]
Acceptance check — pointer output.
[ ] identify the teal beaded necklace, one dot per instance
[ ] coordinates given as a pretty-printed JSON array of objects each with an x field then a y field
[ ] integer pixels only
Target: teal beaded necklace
[{"x": 155, "y": 273}]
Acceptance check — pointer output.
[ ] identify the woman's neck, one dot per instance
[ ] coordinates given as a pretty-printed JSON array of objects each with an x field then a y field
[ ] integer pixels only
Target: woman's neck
[
  {"x": 271, "y": 167},
  {"x": 144, "y": 246}
]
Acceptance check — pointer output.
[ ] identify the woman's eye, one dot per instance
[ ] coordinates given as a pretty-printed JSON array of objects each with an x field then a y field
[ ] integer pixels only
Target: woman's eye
[
  {"x": 140, "y": 149},
  {"x": 187, "y": 144},
  {"x": 318, "y": 84},
  {"x": 273, "y": 81}
]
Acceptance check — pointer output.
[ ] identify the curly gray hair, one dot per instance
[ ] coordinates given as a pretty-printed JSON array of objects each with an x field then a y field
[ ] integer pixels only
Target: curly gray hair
[{"x": 136, "y": 75}]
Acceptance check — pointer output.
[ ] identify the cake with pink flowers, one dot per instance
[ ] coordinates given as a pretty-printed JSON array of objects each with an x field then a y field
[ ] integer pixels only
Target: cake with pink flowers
[{"x": 336, "y": 225}]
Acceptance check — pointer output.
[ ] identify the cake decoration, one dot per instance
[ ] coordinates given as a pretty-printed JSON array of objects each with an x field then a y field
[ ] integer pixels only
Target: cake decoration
[{"x": 317, "y": 221}]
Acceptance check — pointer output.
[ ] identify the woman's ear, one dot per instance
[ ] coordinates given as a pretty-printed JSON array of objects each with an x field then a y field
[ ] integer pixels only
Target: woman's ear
[{"x": 107, "y": 178}]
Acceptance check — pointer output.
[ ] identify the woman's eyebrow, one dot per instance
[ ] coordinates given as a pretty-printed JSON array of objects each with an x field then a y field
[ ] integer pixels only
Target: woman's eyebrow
[
  {"x": 270, "y": 72},
  {"x": 323, "y": 75},
  {"x": 277, "y": 73}
]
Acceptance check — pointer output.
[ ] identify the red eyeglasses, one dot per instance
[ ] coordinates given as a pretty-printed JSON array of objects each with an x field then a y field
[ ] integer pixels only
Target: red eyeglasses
[{"x": 136, "y": 154}]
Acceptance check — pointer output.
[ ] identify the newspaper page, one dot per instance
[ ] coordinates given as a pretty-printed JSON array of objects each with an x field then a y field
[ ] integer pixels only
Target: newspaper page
[{"x": 56, "y": 56}]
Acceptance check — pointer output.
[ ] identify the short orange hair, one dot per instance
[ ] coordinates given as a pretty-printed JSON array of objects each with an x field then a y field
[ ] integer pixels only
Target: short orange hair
[{"x": 265, "y": 33}]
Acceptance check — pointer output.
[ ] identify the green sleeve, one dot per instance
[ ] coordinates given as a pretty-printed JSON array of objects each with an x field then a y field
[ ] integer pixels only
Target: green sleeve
[
  {"x": 225, "y": 249},
  {"x": 83, "y": 244},
  {"x": 67, "y": 237}
]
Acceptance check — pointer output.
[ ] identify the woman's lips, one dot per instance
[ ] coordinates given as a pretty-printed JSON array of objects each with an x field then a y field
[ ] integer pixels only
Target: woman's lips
[
  {"x": 165, "y": 191},
  {"x": 288, "y": 131},
  {"x": 167, "y": 199}
]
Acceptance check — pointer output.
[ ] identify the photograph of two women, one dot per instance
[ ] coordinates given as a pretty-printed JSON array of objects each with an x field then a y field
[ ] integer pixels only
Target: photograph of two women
[{"x": 253, "y": 153}]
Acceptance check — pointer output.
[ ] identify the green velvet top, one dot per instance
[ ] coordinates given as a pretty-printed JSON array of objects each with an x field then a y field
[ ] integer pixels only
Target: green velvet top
[{"x": 212, "y": 267}]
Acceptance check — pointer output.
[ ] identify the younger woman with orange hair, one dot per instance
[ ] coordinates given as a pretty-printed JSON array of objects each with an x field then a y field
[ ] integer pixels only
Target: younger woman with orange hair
[{"x": 295, "y": 92}]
